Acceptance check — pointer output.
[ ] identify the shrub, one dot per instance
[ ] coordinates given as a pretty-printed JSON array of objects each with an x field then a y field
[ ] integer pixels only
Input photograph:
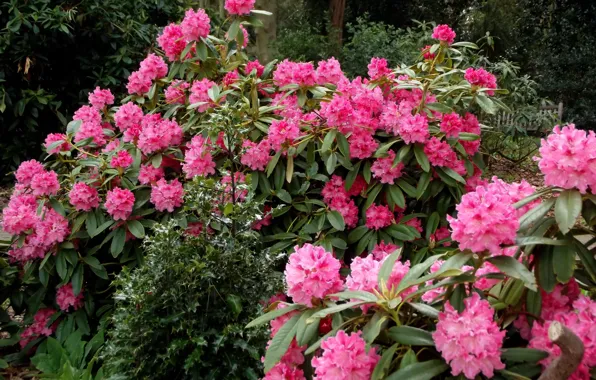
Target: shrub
[
  {"x": 350, "y": 166},
  {"x": 183, "y": 312}
]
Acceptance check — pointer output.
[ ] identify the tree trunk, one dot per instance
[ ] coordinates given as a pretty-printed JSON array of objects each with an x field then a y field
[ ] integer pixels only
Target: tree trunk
[
  {"x": 572, "y": 352},
  {"x": 337, "y": 8},
  {"x": 267, "y": 34}
]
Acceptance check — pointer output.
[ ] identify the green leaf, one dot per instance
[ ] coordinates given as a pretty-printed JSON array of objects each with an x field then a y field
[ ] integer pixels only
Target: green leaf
[
  {"x": 451, "y": 173},
  {"x": 328, "y": 140},
  {"x": 421, "y": 157},
  {"x": 420, "y": 371},
  {"x": 408, "y": 358},
  {"x": 306, "y": 331},
  {"x": 440, "y": 107},
  {"x": 273, "y": 163},
  {"x": 519, "y": 355},
  {"x": 384, "y": 363},
  {"x": 425, "y": 309},
  {"x": 343, "y": 145},
  {"x": 357, "y": 234},
  {"x": 3, "y": 364},
  {"x": 422, "y": 184},
  {"x": 372, "y": 329},
  {"x": 355, "y": 294},
  {"x": 61, "y": 267},
  {"x": 486, "y": 104},
  {"x": 77, "y": 280},
  {"x": 387, "y": 267},
  {"x": 533, "y": 240},
  {"x": 535, "y": 214},
  {"x": 284, "y": 196},
  {"x": 563, "y": 262},
  {"x": 273, "y": 314},
  {"x": 234, "y": 302},
  {"x": 411, "y": 336},
  {"x": 337, "y": 308},
  {"x": 280, "y": 342},
  {"x": 118, "y": 242},
  {"x": 136, "y": 228},
  {"x": 586, "y": 257},
  {"x": 372, "y": 195},
  {"x": 336, "y": 220},
  {"x": 513, "y": 268},
  {"x": 331, "y": 163},
  {"x": 431, "y": 224},
  {"x": 397, "y": 196},
  {"x": 546, "y": 275},
  {"x": 156, "y": 160},
  {"x": 567, "y": 209},
  {"x": 234, "y": 28}
]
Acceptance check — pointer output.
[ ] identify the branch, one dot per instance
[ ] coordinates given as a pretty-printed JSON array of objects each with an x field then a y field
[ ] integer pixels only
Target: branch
[{"x": 572, "y": 353}]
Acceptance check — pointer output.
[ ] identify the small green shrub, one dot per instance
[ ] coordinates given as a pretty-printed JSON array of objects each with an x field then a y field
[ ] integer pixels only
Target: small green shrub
[{"x": 182, "y": 314}]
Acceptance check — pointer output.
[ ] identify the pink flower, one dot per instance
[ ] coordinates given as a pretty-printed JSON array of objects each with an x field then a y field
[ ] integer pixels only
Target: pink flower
[
  {"x": 568, "y": 159},
  {"x": 397, "y": 274},
  {"x": 20, "y": 214},
  {"x": 87, "y": 114},
  {"x": 138, "y": 83},
  {"x": 284, "y": 371},
  {"x": 176, "y": 92},
  {"x": 378, "y": 68},
  {"x": 195, "y": 25},
  {"x": 389, "y": 119},
  {"x": 282, "y": 132},
  {"x": 90, "y": 130},
  {"x": 427, "y": 54},
  {"x": 444, "y": 33},
  {"x": 54, "y": 139},
  {"x": 362, "y": 144},
  {"x": 470, "y": 341},
  {"x": 471, "y": 125},
  {"x": 358, "y": 186},
  {"x": 159, "y": 135},
  {"x": 149, "y": 174},
  {"x": 413, "y": 129},
  {"x": 239, "y": 7},
  {"x": 172, "y": 41},
  {"x": 312, "y": 272},
  {"x": 378, "y": 217},
  {"x": 384, "y": 170},
  {"x": 560, "y": 300},
  {"x": 83, "y": 197},
  {"x": 345, "y": 358},
  {"x": 197, "y": 159},
  {"x": 338, "y": 111},
  {"x": 481, "y": 78},
  {"x": 100, "y": 98},
  {"x": 582, "y": 321},
  {"x": 199, "y": 92},
  {"x": 256, "y": 156},
  {"x": 265, "y": 220},
  {"x": 65, "y": 298},
  {"x": 299, "y": 73},
  {"x": 329, "y": 71},
  {"x": 516, "y": 191},
  {"x": 153, "y": 67},
  {"x": 122, "y": 159},
  {"x": 245, "y": 37},
  {"x": 45, "y": 183},
  {"x": 451, "y": 124},
  {"x": 27, "y": 170},
  {"x": 485, "y": 220},
  {"x": 129, "y": 115},
  {"x": 364, "y": 273},
  {"x": 347, "y": 209},
  {"x": 254, "y": 66},
  {"x": 52, "y": 229},
  {"x": 382, "y": 250},
  {"x": 119, "y": 203},
  {"x": 39, "y": 327},
  {"x": 440, "y": 234},
  {"x": 334, "y": 190},
  {"x": 439, "y": 153},
  {"x": 230, "y": 78},
  {"x": 167, "y": 196}
]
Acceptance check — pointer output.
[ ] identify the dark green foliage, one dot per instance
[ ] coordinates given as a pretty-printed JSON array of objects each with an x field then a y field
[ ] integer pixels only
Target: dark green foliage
[
  {"x": 52, "y": 53},
  {"x": 182, "y": 314}
]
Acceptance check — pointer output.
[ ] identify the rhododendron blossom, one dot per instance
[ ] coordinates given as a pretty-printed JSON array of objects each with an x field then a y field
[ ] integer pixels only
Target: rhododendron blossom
[
  {"x": 378, "y": 216},
  {"x": 198, "y": 160},
  {"x": 282, "y": 132},
  {"x": 83, "y": 197},
  {"x": 100, "y": 98},
  {"x": 568, "y": 158},
  {"x": 451, "y": 124},
  {"x": 413, "y": 129},
  {"x": 20, "y": 214},
  {"x": 56, "y": 143},
  {"x": 239, "y": 7},
  {"x": 195, "y": 25},
  {"x": 364, "y": 273},
  {"x": 329, "y": 71},
  {"x": 256, "y": 155},
  {"x": 385, "y": 171},
  {"x": 159, "y": 135},
  {"x": 199, "y": 93},
  {"x": 176, "y": 92},
  {"x": 378, "y": 68},
  {"x": 481, "y": 78},
  {"x": 300, "y": 73},
  {"x": 345, "y": 357},
  {"x": 172, "y": 41},
  {"x": 45, "y": 183},
  {"x": 382, "y": 250},
  {"x": 312, "y": 273},
  {"x": 39, "y": 327},
  {"x": 444, "y": 33},
  {"x": 65, "y": 298},
  {"x": 167, "y": 196},
  {"x": 485, "y": 220},
  {"x": 129, "y": 115},
  {"x": 149, "y": 174},
  {"x": 122, "y": 160},
  {"x": 439, "y": 153},
  {"x": 119, "y": 203},
  {"x": 470, "y": 341},
  {"x": 27, "y": 170}
]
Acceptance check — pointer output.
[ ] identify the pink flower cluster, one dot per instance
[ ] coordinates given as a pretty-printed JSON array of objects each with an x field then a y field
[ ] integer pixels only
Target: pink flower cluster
[
  {"x": 329, "y": 71},
  {"x": 239, "y": 7},
  {"x": 53, "y": 139},
  {"x": 65, "y": 298},
  {"x": 167, "y": 196},
  {"x": 378, "y": 68},
  {"x": 256, "y": 156},
  {"x": 385, "y": 171},
  {"x": 83, "y": 197},
  {"x": 345, "y": 357},
  {"x": 288, "y": 368},
  {"x": 485, "y": 220},
  {"x": 149, "y": 174},
  {"x": 197, "y": 159},
  {"x": 482, "y": 79},
  {"x": 159, "y": 134},
  {"x": 91, "y": 126},
  {"x": 312, "y": 273},
  {"x": 470, "y": 341},
  {"x": 119, "y": 203},
  {"x": 581, "y": 319},
  {"x": 568, "y": 159},
  {"x": 413, "y": 129},
  {"x": 122, "y": 159},
  {"x": 444, "y": 33},
  {"x": 298, "y": 73},
  {"x": 195, "y": 25},
  {"x": 439, "y": 153},
  {"x": 39, "y": 327},
  {"x": 378, "y": 217},
  {"x": 172, "y": 41},
  {"x": 100, "y": 98},
  {"x": 153, "y": 67},
  {"x": 199, "y": 93},
  {"x": 335, "y": 195},
  {"x": 176, "y": 92},
  {"x": 451, "y": 124},
  {"x": 282, "y": 132}
]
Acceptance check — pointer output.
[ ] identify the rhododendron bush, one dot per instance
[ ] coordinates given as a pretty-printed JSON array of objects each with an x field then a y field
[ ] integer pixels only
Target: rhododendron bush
[{"x": 401, "y": 258}]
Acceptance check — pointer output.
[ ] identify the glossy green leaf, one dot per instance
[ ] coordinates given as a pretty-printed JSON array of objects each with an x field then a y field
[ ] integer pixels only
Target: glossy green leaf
[
  {"x": 273, "y": 314},
  {"x": 421, "y": 157},
  {"x": 336, "y": 220},
  {"x": 513, "y": 268},
  {"x": 564, "y": 262},
  {"x": 567, "y": 209},
  {"x": 420, "y": 371},
  {"x": 280, "y": 342},
  {"x": 411, "y": 336}
]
